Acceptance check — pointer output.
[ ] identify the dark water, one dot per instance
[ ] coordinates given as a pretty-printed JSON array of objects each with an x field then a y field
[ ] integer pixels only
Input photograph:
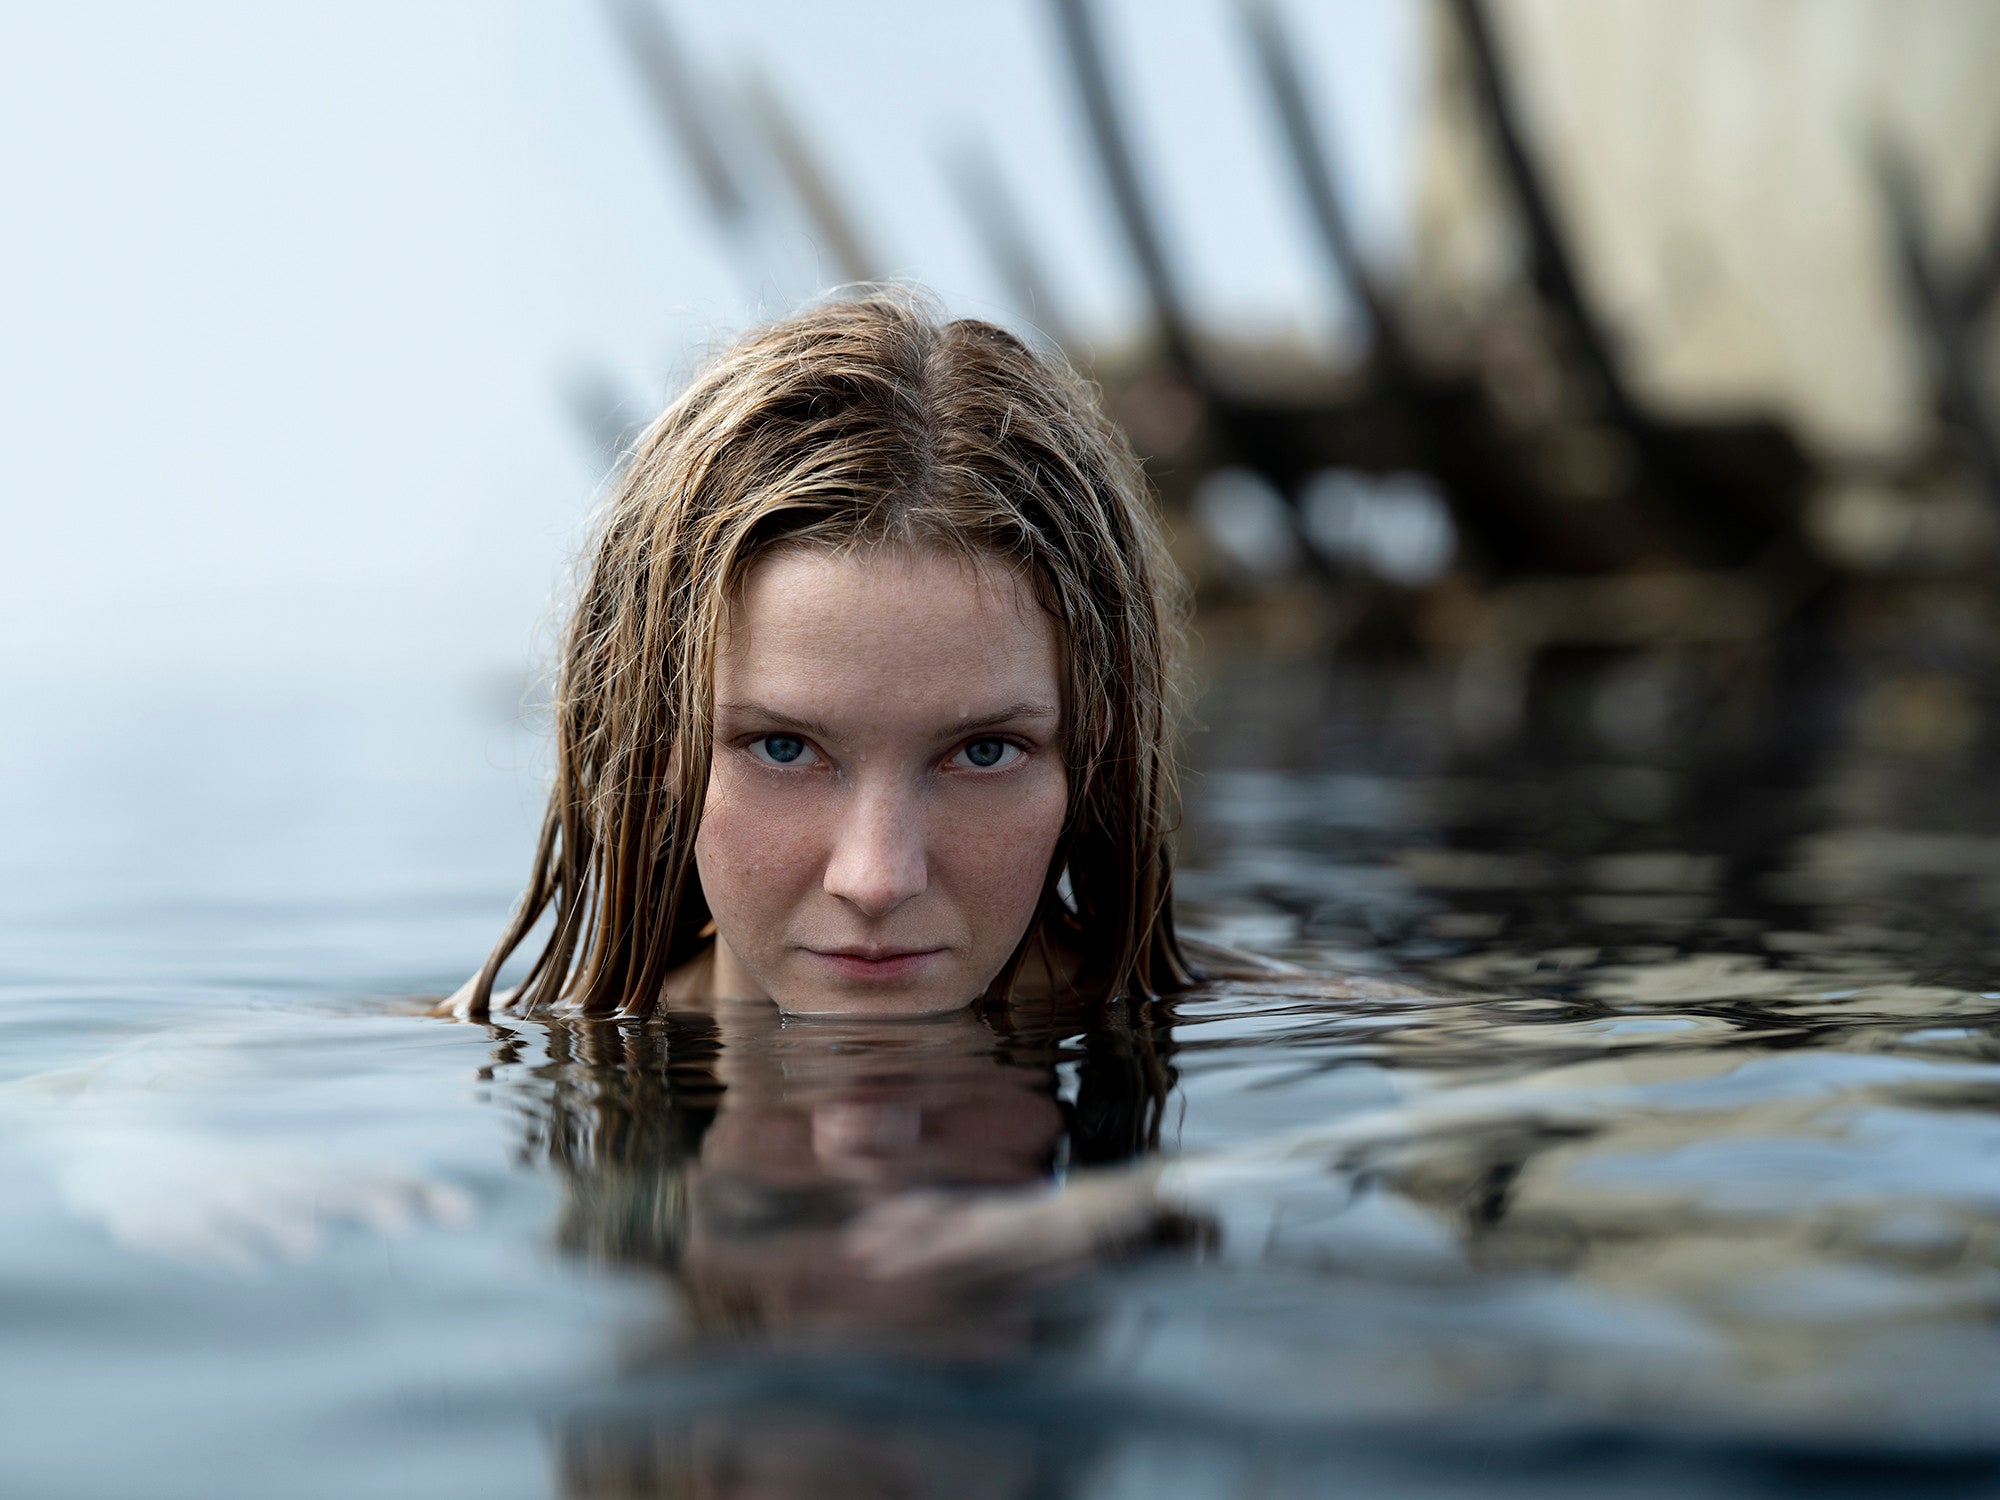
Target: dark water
[{"x": 1669, "y": 1161}]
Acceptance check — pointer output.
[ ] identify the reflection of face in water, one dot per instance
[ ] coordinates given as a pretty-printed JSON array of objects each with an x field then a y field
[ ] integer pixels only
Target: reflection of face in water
[
  {"x": 735, "y": 1151},
  {"x": 820, "y": 1121},
  {"x": 873, "y": 1108},
  {"x": 732, "y": 1151}
]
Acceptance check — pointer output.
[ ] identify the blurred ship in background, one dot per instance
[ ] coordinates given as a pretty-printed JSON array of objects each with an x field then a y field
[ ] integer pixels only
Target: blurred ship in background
[{"x": 1680, "y": 416}]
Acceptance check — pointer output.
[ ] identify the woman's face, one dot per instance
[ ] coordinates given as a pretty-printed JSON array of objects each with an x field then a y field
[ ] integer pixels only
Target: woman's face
[{"x": 887, "y": 781}]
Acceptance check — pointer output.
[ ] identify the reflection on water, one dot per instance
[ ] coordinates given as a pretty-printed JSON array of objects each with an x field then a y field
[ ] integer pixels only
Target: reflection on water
[
  {"x": 1527, "y": 1215},
  {"x": 1658, "y": 1151},
  {"x": 740, "y": 1159},
  {"x": 734, "y": 1152}
]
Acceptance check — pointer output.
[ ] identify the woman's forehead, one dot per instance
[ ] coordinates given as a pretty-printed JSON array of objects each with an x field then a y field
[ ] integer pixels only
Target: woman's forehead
[{"x": 888, "y": 622}]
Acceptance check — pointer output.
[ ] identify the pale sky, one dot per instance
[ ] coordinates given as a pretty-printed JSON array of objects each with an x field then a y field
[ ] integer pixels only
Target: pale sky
[{"x": 289, "y": 293}]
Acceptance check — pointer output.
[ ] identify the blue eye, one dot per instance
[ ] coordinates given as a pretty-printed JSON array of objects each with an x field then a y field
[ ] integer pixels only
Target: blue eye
[
  {"x": 780, "y": 749},
  {"x": 986, "y": 754}
]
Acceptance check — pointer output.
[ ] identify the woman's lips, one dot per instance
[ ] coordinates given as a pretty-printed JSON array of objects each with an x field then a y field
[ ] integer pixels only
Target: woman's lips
[{"x": 880, "y": 964}]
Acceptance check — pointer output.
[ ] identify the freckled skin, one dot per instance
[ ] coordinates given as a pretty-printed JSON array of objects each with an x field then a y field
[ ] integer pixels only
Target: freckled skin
[{"x": 887, "y": 783}]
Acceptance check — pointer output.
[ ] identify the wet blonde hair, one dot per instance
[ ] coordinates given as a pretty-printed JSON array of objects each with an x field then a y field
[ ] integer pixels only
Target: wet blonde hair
[{"x": 862, "y": 423}]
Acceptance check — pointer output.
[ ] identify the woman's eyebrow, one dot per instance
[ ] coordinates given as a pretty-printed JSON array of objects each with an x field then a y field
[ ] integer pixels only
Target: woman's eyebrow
[
  {"x": 1013, "y": 713},
  {"x": 761, "y": 713}
]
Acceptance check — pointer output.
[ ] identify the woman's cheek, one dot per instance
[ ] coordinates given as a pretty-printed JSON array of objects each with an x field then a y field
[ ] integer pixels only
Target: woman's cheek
[
  {"x": 755, "y": 846},
  {"x": 1001, "y": 853}
]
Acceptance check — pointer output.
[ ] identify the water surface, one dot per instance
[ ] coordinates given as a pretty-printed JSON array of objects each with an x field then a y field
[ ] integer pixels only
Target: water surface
[{"x": 1661, "y": 1151}]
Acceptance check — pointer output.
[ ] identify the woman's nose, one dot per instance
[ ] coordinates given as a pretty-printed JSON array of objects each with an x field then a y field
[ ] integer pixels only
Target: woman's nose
[{"x": 878, "y": 859}]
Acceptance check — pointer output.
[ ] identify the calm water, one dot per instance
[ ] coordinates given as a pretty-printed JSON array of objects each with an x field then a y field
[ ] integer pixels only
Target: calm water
[{"x": 1672, "y": 1162}]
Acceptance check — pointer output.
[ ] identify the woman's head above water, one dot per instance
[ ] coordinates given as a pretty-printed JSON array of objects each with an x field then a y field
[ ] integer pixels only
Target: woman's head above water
[{"x": 866, "y": 704}]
